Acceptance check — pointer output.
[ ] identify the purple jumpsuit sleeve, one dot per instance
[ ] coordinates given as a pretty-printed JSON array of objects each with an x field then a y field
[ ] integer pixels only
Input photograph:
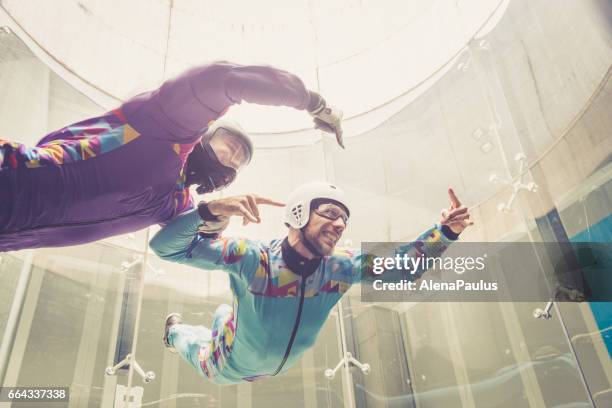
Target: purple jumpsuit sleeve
[{"x": 181, "y": 109}]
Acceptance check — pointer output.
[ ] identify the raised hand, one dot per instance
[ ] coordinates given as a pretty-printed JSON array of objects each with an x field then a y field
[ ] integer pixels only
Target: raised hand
[
  {"x": 245, "y": 206},
  {"x": 457, "y": 217},
  {"x": 327, "y": 118}
]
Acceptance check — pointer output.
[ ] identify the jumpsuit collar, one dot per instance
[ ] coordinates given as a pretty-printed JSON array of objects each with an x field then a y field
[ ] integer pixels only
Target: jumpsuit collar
[{"x": 297, "y": 263}]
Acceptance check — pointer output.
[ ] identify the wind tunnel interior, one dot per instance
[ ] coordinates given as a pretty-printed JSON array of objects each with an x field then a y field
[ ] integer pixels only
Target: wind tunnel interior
[{"x": 529, "y": 100}]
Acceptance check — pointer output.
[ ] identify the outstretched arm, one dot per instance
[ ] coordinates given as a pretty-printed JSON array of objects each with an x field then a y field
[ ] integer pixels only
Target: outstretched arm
[
  {"x": 430, "y": 244},
  {"x": 193, "y": 238},
  {"x": 355, "y": 266},
  {"x": 181, "y": 109},
  {"x": 181, "y": 241}
]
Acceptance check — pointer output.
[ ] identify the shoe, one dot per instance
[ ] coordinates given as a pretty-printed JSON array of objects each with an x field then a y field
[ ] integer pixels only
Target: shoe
[{"x": 171, "y": 320}]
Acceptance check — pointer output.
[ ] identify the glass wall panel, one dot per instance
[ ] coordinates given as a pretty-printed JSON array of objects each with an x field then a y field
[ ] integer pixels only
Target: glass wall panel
[
  {"x": 501, "y": 100},
  {"x": 10, "y": 267},
  {"x": 66, "y": 329}
]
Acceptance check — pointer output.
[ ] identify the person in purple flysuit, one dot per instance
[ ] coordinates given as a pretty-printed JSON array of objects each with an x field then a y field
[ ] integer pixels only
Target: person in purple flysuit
[{"x": 132, "y": 167}]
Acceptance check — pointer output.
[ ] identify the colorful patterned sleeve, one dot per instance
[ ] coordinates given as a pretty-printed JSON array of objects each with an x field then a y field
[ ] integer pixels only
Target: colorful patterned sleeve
[
  {"x": 80, "y": 141},
  {"x": 10, "y": 153},
  {"x": 15, "y": 155},
  {"x": 352, "y": 266},
  {"x": 179, "y": 241}
]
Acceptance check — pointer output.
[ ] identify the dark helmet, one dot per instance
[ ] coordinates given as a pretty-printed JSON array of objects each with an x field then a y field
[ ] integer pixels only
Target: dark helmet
[{"x": 204, "y": 166}]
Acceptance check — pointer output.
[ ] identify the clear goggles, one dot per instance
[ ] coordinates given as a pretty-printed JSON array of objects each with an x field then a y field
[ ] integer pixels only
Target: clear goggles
[
  {"x": 331, "y": 212},
  {"x": 229, "y": 149}
]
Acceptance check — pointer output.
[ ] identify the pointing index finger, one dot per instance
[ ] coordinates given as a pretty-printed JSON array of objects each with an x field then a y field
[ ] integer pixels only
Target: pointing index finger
[
  {"x": 268, "y": 201},
  {"x": 454, "y": 200}
]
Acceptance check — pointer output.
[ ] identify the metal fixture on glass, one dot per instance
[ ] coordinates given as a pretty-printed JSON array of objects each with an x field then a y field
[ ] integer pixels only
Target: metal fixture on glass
[
  {"x": 134, "y": 285},
  {"x": 346, "y": 360},
  {"x": 465, "y": 64},
  {"x": 125, "y": 266},
  {"x": 563, "y": 292},
  {"x": 517, "y": 185},
  {"x": 543, "y": 313},
  {"x": 485, "y": 140},
  {"x": 147, "y": 377},
  {"x": 134, "y": 400},
  {"x": 484, "y": 45}
]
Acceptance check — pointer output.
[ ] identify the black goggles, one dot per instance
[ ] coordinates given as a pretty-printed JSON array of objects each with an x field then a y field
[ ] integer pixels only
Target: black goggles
[{"x": 331, "y": 212}]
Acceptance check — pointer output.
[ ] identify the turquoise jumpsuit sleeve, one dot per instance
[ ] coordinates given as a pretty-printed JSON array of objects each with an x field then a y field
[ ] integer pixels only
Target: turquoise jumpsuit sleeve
[
  {"x": 351, "y": 266},
  {"x": 180, "y": 241}
]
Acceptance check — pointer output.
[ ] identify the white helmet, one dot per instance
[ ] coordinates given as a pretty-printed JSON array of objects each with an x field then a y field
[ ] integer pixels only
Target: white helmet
[
  {"x": 297, "y": 211},
  {"x": 233, "y": 127}
]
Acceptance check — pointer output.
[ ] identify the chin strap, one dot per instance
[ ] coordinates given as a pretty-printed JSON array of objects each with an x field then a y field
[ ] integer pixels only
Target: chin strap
[{"x": 309, "y": 245}]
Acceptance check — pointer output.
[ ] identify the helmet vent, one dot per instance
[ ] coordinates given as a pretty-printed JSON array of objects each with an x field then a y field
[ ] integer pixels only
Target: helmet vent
[
  {"x": 303, "y": 199},
  {"x": 297, "y": 211}
]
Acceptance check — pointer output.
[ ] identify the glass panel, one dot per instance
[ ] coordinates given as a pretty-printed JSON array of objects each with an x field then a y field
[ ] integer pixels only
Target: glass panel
[
  {"x": 65, "y": 333},
  {"x": 10, "y": 268},
  {"x": 512, "y": 117},
  {"x": 588, "y": 219},
  {"x": 463, "y": 355}
]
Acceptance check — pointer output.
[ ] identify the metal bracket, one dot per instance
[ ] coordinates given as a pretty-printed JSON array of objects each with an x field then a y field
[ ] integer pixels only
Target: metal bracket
[
  {"x": 568, "y": 294},
  {"x": 125, "y": 266},
  {"x": 134, "y": 400},
  {"x": 517, "y": 185},
  {"x": 346, "y": 360},
  {"x": 543, "y": 313},
  {"x": 147, "y": 377},
  {"x": 465, "y": 64}
]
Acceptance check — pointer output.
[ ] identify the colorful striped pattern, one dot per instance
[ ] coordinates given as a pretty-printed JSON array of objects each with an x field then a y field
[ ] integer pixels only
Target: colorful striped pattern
[
  {"x": 81, "y": 141},
  {"x": 182, "y": 197},
  {"x": 232, "y": 251},
  {"x": 214, "y": 355},
  {"x": 274, "y": 279},
  {"x": 89, "y": 139}
]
